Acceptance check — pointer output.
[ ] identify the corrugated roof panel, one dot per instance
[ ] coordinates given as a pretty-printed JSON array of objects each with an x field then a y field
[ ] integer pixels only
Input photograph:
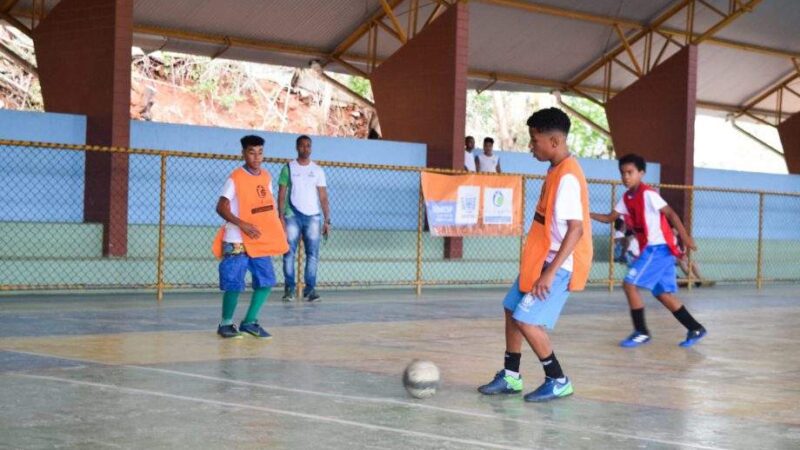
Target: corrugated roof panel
[
  {"x": 531, "y": 44},
  {"x": 315, "y": 23}
]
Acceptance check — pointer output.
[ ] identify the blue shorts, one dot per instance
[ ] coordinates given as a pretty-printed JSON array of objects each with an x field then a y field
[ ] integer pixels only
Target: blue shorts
[
  {"x": 654, "y": 270},
  {"x": 533, "y": 311},
  {"x": 233, "y": 268}
]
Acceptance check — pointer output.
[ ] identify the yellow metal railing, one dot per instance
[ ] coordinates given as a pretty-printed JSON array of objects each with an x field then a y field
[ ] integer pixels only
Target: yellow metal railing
[{"x": 379, "y": 239}]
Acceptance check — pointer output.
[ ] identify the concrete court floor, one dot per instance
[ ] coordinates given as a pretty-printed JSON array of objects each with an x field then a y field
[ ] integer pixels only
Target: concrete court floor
[{"x": 119, "y": 371}]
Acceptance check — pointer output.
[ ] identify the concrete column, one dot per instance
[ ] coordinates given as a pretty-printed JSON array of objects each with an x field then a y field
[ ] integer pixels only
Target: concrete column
[
  {"x": 83, "y": 51},
  {"x": 789, "y": 131},
  {"x": 654, "y": 117},
  {"x": 421, "y": 94}
]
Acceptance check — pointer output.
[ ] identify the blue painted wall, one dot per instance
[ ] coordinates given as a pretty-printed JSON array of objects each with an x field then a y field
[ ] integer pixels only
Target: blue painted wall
[{"x": 47, "y": 185}]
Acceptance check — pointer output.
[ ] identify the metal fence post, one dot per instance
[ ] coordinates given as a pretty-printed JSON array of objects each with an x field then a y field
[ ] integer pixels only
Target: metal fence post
[
  {"x": 690, "y": 231},
  {"x": 420, "y": 225},
  {"x": 524, "y": 203},
  {"x": 760, "y": 257},
  {"x": 611, "y": 242},
  {"x": 162, "y": 207}
]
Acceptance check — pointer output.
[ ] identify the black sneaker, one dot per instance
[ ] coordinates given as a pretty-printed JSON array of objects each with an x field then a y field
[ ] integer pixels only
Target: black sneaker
[
  {"x": 254, "y": 329},
  {"x": 312, "y": 296},
  {"x": 229, "y": 332},
  {"x": 288, "y": 295}
]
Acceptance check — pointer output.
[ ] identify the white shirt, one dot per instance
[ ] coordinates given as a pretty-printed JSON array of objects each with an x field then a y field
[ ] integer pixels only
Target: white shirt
[
  {"x": 488, "y": 163},
  {"x": 653, "y": 203},
  {"x": 232, "y": 232},
  {"x": 469, "y": 161},
  {"x": 568, "y": 206},
  {"x": 305, "y": 181}
]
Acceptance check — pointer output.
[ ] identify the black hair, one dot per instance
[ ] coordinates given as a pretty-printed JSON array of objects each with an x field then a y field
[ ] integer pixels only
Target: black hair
[
  {"x": 489, "y": 140},
  {"x": 619, "y": 224},
  {"x": 550, "y": 119},
  {"x": 303, "y": 136},
  {"x": 636, "y": 160},
  {"x": 468, "y": 137},
  {"x": 251, "y": 140}
]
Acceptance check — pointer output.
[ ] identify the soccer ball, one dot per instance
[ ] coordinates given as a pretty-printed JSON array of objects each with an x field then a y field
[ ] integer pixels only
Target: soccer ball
[{"x": 421, "y": 379}]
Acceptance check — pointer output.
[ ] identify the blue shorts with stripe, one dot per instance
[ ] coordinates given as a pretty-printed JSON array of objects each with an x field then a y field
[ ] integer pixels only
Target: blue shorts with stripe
[
  {"x": 654, "y": 270},
  {"x": 532, "y": 311}
]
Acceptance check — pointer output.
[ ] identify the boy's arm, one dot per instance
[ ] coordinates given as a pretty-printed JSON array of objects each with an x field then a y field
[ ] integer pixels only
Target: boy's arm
[
  {"x": 283, "y": 181},
  {"x": 224, "y": 211},
  {"x": 541, "y": 288},
  {"x": 678, "y": 225},
  {"x": 605, "y": 218}
]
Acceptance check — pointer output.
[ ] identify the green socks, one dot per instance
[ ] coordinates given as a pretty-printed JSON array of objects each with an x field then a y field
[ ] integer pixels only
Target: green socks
[
  {"x": 229, "y": 301},
  {"x": 231, "y": 298},
  {"x": 256, "y": 302}
]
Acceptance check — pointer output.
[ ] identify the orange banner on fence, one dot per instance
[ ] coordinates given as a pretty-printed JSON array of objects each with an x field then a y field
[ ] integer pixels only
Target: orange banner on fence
[{"x": 473, "y": 205}]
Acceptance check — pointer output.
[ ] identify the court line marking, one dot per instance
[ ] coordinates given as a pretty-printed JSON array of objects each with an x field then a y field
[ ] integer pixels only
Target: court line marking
[
  {"x": 383, "y": 400},
  {"x": 424, "y": 406},
  {"x": 315, "y": 417}
]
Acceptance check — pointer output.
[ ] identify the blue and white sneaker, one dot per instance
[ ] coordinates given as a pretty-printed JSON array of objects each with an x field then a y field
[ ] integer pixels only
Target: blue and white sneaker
[
  {"x": 693, "y": 336},
  {"x": 551, "y": 389},
  {"x": 502, "y": 384},
  {"x": 254, "y": 329},
  {"x": 228, "y": 332},
  {"x": 634, "y": 340}
]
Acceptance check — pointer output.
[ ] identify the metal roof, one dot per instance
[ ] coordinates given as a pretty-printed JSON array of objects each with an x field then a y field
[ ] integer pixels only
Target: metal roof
[{"x": 517, "y": 44}]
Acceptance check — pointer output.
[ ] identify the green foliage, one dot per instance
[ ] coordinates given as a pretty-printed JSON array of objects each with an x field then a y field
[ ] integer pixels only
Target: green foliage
[
  {"x": 585, "y": 141},
  {"x": 361, "y": 86}
]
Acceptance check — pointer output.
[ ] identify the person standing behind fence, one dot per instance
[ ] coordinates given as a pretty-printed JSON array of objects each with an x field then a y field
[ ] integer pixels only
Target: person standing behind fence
[
  {"x": 302, "y": 195},
  {"x": 487, "y": 161},
  {"x": 469, "y": 158},
  {"x": 251, "y": 235},
  {"x": 650, "y": 217}
]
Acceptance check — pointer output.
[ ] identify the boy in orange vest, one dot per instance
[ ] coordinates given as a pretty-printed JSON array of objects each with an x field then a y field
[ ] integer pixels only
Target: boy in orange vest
[
  {"x": 650, "y": 218},
  {"x": 251, "y": 235},
  {"x": 555, "y": 261}
]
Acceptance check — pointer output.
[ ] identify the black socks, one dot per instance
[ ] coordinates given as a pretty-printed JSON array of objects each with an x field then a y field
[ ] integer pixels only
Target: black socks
[
  {"x": 552, "y": 369},
  {"x": 638, "y": 321},
  {"x": 686, "y": 319},
  {"x": 511, "y": 362}
]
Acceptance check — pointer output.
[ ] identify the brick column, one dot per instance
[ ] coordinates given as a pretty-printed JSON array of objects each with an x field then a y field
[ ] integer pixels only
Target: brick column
[
  {"x": 789, "y": 131},
  {"x": 83, "y": 51},
  {"x": 654, "y": 117},
  {"x": 421, "y": 94}
]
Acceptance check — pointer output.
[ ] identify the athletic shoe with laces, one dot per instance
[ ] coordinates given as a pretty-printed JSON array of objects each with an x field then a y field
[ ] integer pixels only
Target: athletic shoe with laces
[
  {"x": 312, "y": 296},
  {"x": 634, "y": 340},
  {"x": 551, "y": 389},
  {"x": 502, "y": 384},
  {"x": 288, "y": 295},
  {"x": 229, "y": 332},
  {"x": 254, "y": 329},
  {"x": 693, "y": 336}
]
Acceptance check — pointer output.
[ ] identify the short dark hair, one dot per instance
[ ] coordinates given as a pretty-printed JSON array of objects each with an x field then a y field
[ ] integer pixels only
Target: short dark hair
[
  {"x": 636, "y": 160},
  {"x": 468, "y": 138},
  {"x": 251, "y": 140},
  {"x": 619, "y": 224},
  {"x": 488, "y": 139},
  {"x": 550, "y": 119},
  {"x": 300, "y": 138}
]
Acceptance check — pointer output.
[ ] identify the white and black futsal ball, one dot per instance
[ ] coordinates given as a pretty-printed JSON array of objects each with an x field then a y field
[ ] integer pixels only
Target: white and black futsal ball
[{"x": 421, "y": 378}]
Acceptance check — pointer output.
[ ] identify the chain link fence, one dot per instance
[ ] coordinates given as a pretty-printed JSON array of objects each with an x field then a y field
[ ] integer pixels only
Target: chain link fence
[{"x": 47, "y": 241}]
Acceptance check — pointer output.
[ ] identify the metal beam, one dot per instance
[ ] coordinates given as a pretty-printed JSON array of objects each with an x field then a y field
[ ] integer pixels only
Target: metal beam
[
  {"x": 389, "y": 11},
  {"x": 747, "y": 109},
  {"x": 586, "y": 73},
  {"x": 632, "y": 24},
  {"x": 362, "y": 29}
]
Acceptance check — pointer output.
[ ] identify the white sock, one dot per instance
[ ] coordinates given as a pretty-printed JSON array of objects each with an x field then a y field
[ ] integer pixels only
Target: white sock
[{"x": 513, "y": 374}]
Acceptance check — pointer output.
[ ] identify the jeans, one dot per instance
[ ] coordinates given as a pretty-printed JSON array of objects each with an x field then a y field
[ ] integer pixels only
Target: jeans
[{"x": 310, "y": 227}]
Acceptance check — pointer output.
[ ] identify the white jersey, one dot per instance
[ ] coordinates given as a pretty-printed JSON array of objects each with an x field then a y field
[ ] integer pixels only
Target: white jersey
[
  {"x": 653, "y": 203},
  {"x": 488, "y": 163},
  {"x": 568, "y": 206},
  {"x": 469, "y": 161}
]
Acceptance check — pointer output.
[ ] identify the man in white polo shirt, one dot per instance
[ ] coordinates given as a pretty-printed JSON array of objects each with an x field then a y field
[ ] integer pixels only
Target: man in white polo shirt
[{"x": 304, "y": 181}]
